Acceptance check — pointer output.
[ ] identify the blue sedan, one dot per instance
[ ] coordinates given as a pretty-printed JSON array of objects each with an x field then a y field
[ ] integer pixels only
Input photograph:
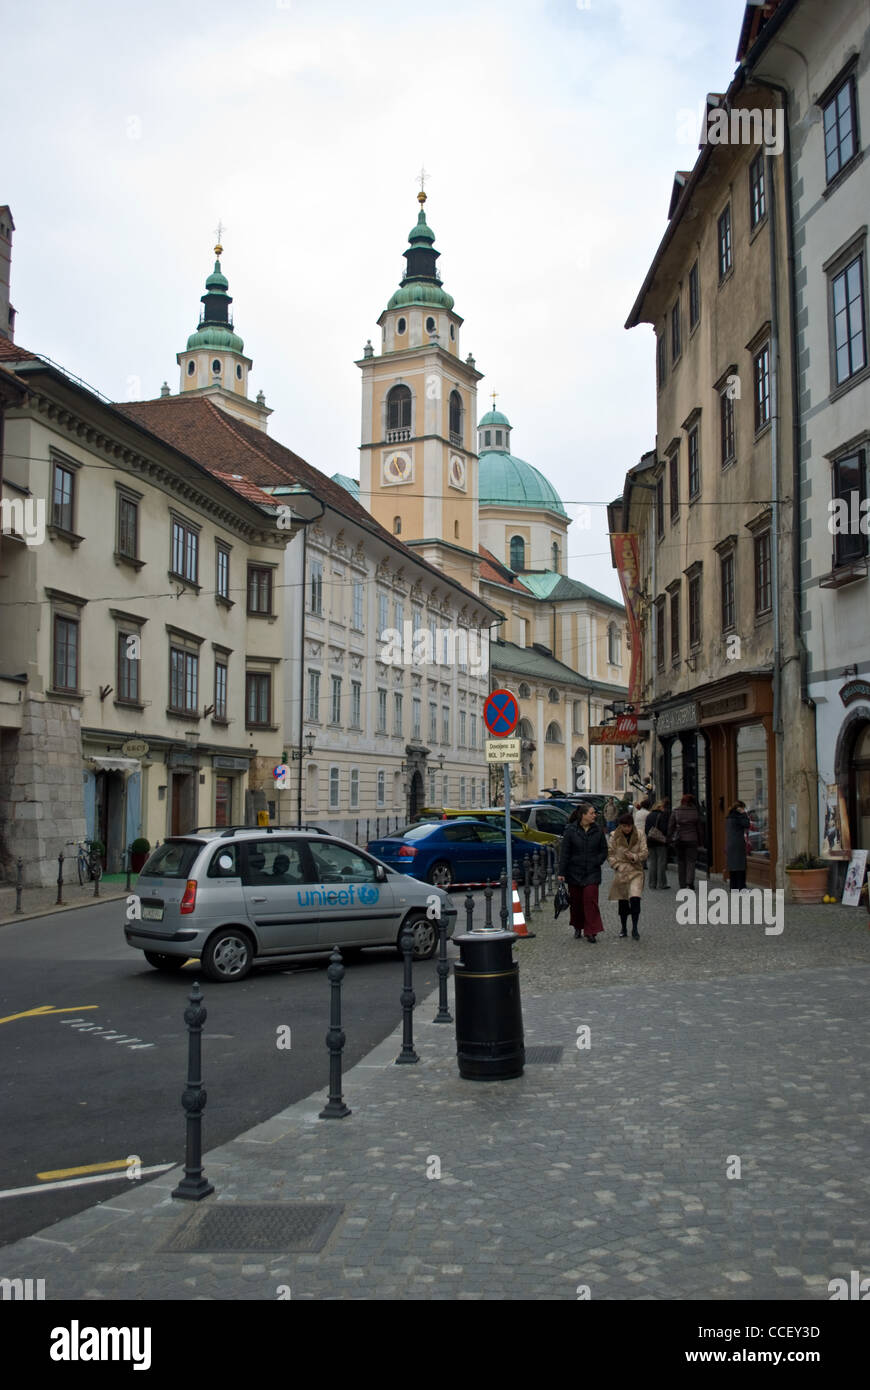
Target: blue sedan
[{"x": 447, "y": 852}]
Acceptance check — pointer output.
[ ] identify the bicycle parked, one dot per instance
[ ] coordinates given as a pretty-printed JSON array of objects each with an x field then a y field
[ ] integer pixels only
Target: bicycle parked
[{"x": 88, "y": 861}]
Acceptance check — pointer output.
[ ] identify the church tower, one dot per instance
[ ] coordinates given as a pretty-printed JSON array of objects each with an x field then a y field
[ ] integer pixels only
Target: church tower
[
  {"x": 214, "y": 363},
  {"x": 418, "y": 460}
]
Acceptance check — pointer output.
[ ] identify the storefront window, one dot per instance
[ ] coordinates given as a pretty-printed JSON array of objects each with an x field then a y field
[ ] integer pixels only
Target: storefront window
[
  {"x": 752, "y": 785},
  {"x": 676, "y": 788},
  {"x": 223, "y": 801}
]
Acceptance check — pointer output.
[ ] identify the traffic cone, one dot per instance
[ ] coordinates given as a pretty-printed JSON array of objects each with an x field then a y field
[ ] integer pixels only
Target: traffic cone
[{"x": 519, "y": 927}]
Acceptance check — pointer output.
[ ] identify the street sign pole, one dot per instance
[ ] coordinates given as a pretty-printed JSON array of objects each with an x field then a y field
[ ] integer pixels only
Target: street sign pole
[{"x": 507, "y": 833}]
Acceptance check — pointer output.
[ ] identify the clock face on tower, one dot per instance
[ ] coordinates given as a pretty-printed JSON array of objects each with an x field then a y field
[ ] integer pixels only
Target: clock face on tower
[
  {"x": 456, "y": 471},
  {"x": 397, "y": 467}
]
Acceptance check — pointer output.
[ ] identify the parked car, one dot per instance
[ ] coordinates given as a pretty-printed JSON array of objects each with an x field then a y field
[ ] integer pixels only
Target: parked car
[
  {"x": 454, "y": 851},
  {"x": 494, "y": 815},
  {"x": 236, "y": 897},
  {"x": 542, "y": 822}
]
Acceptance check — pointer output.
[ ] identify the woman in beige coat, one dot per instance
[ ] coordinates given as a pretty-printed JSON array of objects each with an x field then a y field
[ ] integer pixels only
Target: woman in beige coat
[{"x": 627, "y": 854}]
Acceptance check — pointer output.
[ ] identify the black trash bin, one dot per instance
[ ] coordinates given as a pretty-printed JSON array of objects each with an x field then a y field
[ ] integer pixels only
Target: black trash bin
[{"x": 489, "y": 1015}]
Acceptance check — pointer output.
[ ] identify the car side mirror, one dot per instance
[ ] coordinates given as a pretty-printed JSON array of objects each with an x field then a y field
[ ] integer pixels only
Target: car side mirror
[{"x": 380, "y": 873}]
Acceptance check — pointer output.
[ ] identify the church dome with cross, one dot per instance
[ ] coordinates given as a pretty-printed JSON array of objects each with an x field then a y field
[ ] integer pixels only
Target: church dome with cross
[{"x": 506, "y": 480}]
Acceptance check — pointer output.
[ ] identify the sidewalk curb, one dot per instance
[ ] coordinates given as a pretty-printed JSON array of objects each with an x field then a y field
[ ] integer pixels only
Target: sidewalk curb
[{"x": 60, "y": 907}]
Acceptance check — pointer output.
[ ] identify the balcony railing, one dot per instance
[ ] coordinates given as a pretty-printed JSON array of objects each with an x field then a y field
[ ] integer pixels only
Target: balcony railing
[
  {"x": 456, "y": 438},
  {"x": 399, "y": 436}
]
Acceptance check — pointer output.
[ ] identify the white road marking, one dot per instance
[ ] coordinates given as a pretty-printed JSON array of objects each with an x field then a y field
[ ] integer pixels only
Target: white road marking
[{"x": 80, "y": 1182}]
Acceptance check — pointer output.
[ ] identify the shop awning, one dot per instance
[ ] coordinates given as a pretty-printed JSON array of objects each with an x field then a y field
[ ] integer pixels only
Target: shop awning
[{"x": 116, "y": 764}]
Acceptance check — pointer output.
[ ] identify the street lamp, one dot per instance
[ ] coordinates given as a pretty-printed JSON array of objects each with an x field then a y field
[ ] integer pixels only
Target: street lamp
[{"x": 306, "y": 751}]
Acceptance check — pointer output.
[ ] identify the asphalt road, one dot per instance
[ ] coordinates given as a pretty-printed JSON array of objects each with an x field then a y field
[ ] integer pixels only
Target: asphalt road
[{"x": 102, "y": 1080}]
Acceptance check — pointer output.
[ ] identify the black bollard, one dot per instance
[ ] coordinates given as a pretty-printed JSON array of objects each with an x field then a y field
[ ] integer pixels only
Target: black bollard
[
  {"x": 527, "y": 886},
  {"x": 551, "y": 868},
  {"x": 129, "y": 865},
  {"x": 503, "y": 884},
  {"x": 408, "y": 998},
  {"x": 193, "y": 1185},
  {"x": 444, "y": 1015},
  {"x": 469, "y": 911},
  {"x": 335, "y": 1108},
  {"x": 487, "y": 904},
  {"x": 543, "y": 873},
  {"x": 96, "y": 873},
  {"x": 59, "y": 898},
  {"x": 536, "y": 876},
  {"x": 19, "y": 883}
]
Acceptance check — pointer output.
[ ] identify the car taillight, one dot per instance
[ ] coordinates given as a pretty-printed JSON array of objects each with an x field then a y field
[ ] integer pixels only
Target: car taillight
[
  {"x": 407, "y": 852},
  {"x": 188, "y": 902}
]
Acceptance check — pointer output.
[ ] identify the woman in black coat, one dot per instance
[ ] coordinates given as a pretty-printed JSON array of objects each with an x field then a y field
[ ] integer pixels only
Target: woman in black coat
[
  {"x": 736, "y": 826},
  {"x": 582, "y": 852}
]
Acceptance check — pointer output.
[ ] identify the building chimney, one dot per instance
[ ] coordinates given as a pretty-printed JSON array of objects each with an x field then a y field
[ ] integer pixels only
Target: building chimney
[{"x": 7, "y": 313}]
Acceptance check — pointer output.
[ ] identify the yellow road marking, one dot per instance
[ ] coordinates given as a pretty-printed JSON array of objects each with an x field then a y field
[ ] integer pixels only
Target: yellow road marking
[
  {"x": 48, "y": 1009},
  {"x": 85, "y": 1168}
]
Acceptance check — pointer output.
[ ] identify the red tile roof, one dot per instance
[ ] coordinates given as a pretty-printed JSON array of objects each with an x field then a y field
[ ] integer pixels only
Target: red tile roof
[
  {"x": 226, "y": 445},
  {"x": 12, "y": 352},
  {"x": 493, "y": 570}
]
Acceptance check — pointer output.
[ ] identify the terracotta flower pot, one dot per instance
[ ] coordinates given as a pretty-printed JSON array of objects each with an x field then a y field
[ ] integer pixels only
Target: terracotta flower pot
[{"x": 808, "y": 885}]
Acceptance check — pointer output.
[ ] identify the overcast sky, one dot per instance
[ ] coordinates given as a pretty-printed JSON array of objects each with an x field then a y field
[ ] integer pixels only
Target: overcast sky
[{"x": 550, "y": 132}]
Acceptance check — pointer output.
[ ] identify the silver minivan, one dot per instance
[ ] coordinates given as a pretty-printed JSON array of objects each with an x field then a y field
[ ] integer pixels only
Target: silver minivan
[{"x": 236, "y": 896}]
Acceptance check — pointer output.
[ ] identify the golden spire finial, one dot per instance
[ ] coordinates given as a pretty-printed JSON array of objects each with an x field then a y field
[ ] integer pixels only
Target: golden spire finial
[
  {"x": 494, "y": 394},
  {"x": 421, "y": 196},
  {"x": 219, "y": 230}
]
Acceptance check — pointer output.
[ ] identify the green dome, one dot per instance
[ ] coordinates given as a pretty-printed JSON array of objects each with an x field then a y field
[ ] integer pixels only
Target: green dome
[
  {"x": 215, "y": 337},
  {"x": 506, "y": 481},
  {"x": 421, "y": 231},
  {"x": 217, "y": 281},
  {"x": 419, "y": 292},
  {"x": 494, "y": 417}
]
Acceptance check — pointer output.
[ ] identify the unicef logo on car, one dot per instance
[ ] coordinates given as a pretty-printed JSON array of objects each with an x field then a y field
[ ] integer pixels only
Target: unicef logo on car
[{"x": 368, "y": 893}]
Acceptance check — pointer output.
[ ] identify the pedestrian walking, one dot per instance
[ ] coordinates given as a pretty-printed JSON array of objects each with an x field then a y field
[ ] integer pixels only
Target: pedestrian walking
[
  {"x": 641, "y": 813},
  {"x": 582, "y": 852},
  {"x": 686, "y": 833},
  {"x": 656, "y": 833},
  {"x": 609, "y": 811},
  {"x": 736, "y": 828},
  {"x": 627, "y": 855}
]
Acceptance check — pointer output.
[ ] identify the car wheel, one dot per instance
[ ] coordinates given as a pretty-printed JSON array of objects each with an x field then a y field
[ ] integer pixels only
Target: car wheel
[
  {"x": 425, "y": 934},
  {"x": 168, "y": 963},
  {"x": 441, "y": 874},
  {"x": 228, "y": 956}
]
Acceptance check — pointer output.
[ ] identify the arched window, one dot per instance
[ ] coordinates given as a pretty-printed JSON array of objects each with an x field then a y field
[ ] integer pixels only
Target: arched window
[
  {"x": 455, "y": 417},
  {"x": 556, "y": 556},
  {"x": 456, "y": 530},
  {"x": 614, "y": 653},
  {"x": 554, "y": 733},
  {"x": 518, "y": 553},
  {"x": 399, "y": 408},
  {"x": 397, "y": 526},
  {"x": 553, "y": 695},
  {"x": 525, "y": 694}
]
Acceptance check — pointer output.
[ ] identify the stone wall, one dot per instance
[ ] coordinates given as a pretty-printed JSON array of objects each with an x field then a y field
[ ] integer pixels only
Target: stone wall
[{"x": 41, "y": 800}]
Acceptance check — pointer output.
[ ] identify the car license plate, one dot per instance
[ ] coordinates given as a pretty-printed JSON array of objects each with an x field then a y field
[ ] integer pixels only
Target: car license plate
[{"x": 152, "y": 914}]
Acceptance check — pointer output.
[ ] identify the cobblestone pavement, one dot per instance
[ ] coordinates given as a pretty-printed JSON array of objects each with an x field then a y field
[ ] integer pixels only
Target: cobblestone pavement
[
  {"x": 39, "y": 902},
  {"x": 709, "y": 1054}
]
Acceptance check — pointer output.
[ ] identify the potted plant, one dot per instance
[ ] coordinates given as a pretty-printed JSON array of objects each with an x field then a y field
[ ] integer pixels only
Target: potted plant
[
  {"x": 808, "y": 876},
  {"x": 139, "y": 852}
]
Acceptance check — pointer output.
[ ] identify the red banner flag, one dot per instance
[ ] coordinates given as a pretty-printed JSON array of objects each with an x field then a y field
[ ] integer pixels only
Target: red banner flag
[{"x": 628, "y": 567}]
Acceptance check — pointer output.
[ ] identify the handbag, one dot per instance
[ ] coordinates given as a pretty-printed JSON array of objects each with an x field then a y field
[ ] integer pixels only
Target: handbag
[
  {"x": 655, "y": 836},
  {"x": 561, "y": 899}
]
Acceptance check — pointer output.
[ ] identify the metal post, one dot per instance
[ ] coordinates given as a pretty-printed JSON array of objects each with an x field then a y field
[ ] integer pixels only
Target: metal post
[
  {"x": 335, "y": 1108},
  {"x": 408, "y": 998},
  {"x": 19, "y": 883},
  {"x": 356, "y": 831},
  {"x": 503, "y": 881},
  {"x": 368, "y": 836},
  {"x": 469, "y": 911},
  {"x": 487, "y": 902},
  {"x": 129, "y": 865},
  {"x": 95, "y": 866},
  {"x": 377, "y": 827},
  {"x": 444, "y": 1015},
  {"x": 527, "y": 886},
  {"x": 508, "y": 842},
  {"x": 59, "y": 898},
  {"x": 536, "y": 875},
  {"x": 193, "y": 1185}
]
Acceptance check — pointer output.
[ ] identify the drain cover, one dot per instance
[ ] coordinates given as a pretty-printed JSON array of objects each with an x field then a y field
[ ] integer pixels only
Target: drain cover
[
  {"x": 286, "y": 1228},
  {"x": 543, "y": 1054}
]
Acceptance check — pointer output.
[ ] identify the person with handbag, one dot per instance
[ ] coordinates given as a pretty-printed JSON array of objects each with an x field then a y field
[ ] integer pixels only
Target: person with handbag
[
  {"x": 582, "y": 852},
  {"x": 656, "y": 833},
  {"x": 686, "y": 833},
  {"x": 627, "y": 855}
]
